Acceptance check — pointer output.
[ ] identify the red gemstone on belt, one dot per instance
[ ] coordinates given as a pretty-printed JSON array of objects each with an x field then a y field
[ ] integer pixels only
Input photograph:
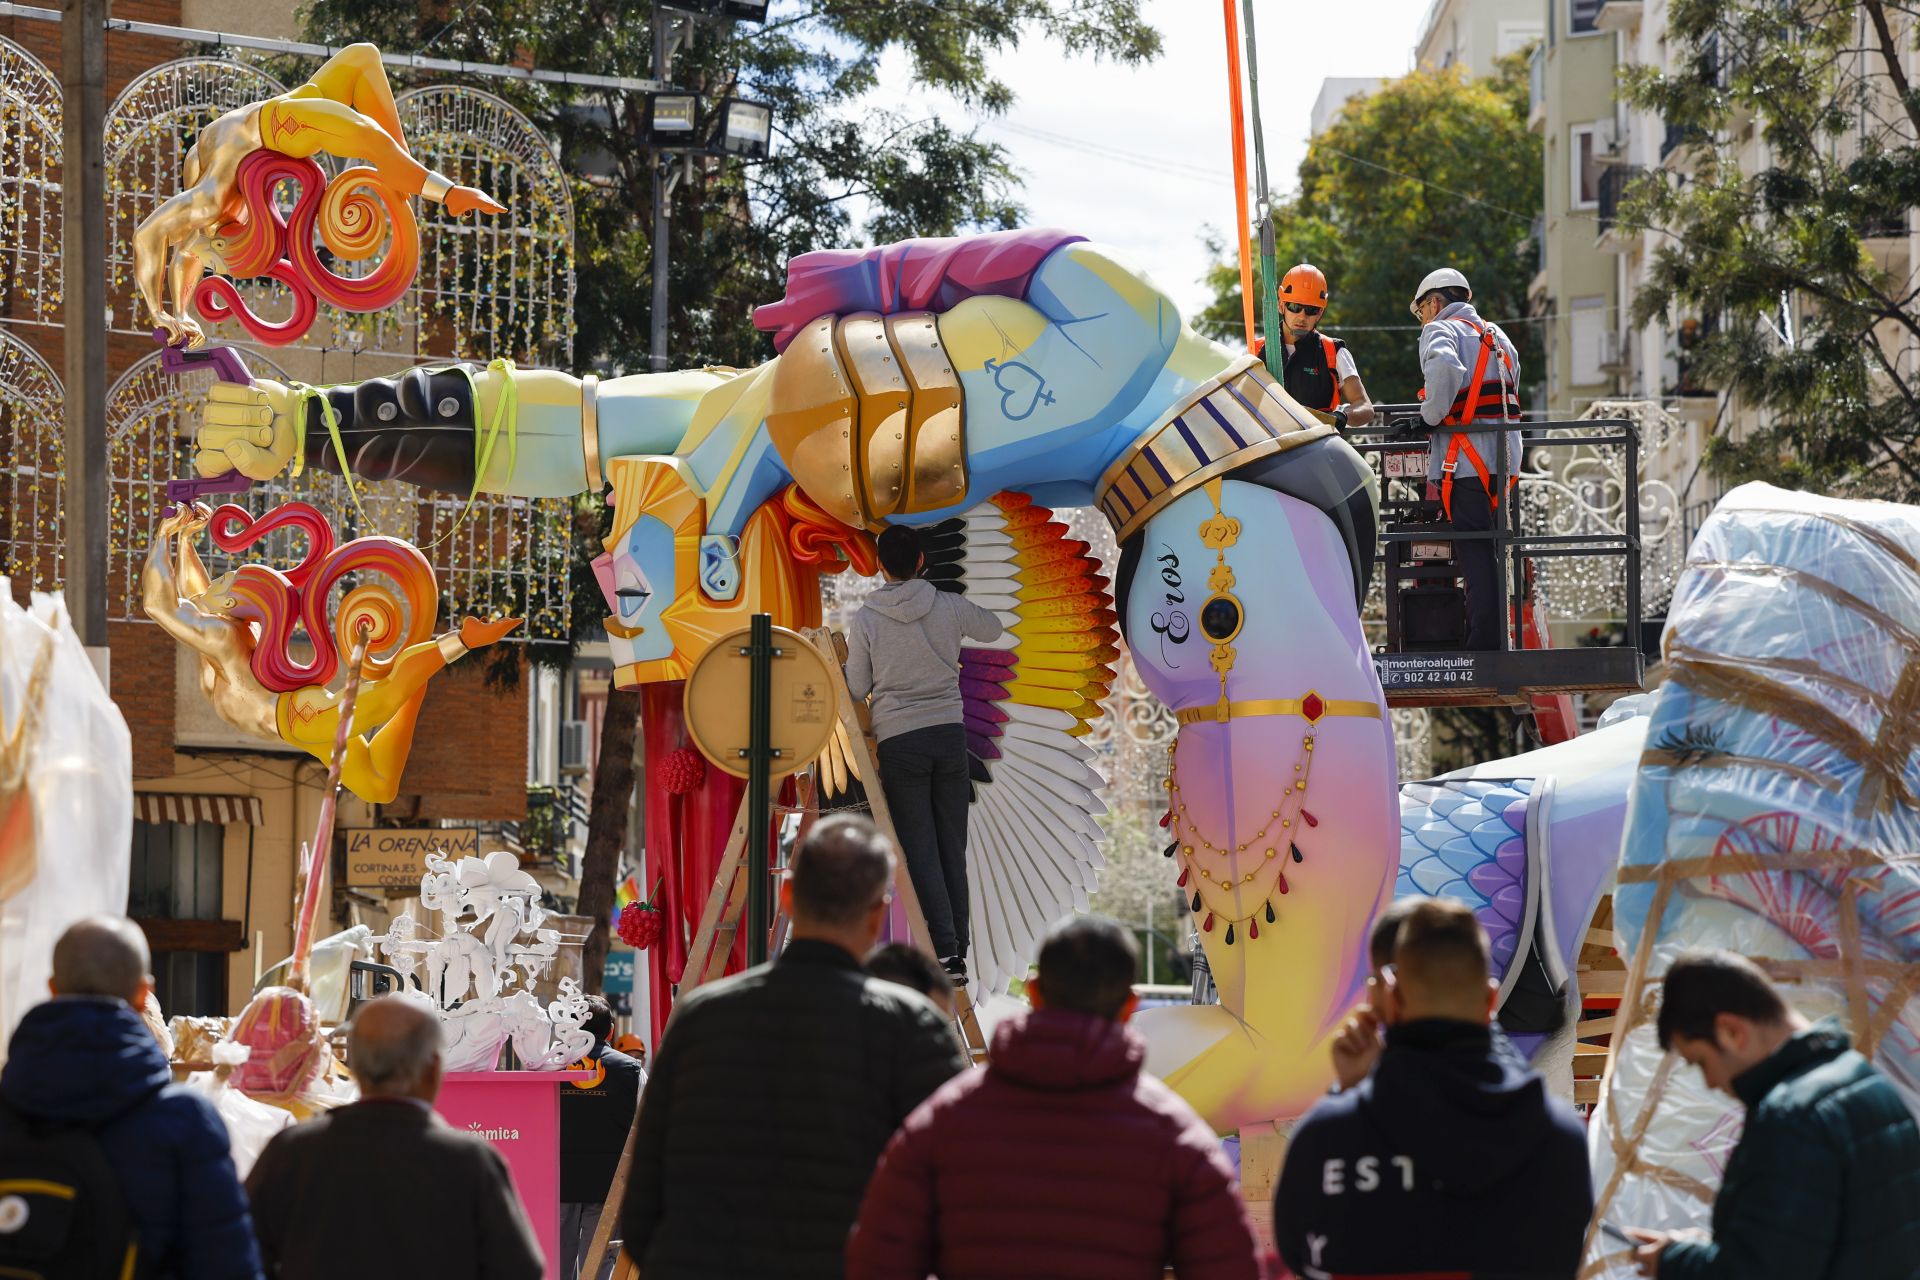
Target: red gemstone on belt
[{"x": 1311, "y": 707}]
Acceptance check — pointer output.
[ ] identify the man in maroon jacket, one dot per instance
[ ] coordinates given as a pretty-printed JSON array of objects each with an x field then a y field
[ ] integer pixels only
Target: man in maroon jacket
[{"x": 1061, "y": 1159}]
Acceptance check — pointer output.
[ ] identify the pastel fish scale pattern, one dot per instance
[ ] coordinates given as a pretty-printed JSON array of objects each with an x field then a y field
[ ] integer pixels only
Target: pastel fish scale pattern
[
  {"x": 1466, "y": 839},
  {"x": 1029, "y": 701}
]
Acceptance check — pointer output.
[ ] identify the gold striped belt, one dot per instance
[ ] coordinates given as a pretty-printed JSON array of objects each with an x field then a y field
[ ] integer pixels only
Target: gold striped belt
[
  {"x": 1311, "y": 708},
  {"x": 1237, "y": 417}
]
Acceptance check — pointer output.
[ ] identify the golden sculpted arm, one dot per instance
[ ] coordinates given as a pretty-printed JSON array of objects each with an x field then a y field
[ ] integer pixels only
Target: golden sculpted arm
[
  {"x": 165, "y": 593},
  {"x": 173, "y": 224}
]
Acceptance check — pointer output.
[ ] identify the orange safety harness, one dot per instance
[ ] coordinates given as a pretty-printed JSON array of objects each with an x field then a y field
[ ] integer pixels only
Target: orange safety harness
[{"x": 1466, "y": 408}]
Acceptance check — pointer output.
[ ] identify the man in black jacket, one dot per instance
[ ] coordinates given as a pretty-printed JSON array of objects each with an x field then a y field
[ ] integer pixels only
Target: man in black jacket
[
  {"x": 1476, "y": 1168},
  {"x": 1825, "y": 1182},
  {"x": 774, "y": 1091},
  {"x": 595, "y": 1117},
  {"x": 384, "y": 1189}
]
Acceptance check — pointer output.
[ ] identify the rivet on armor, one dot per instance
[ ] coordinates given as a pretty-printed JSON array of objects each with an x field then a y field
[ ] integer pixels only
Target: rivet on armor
[
  {"x": 448, "y": 407},
  {"x": 387, "y": 412}
]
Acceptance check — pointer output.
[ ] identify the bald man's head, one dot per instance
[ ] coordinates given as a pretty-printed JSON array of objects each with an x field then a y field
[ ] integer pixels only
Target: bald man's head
[
  {"x": 102, "y": 956},
  {"x": 393, "y": 1048}
]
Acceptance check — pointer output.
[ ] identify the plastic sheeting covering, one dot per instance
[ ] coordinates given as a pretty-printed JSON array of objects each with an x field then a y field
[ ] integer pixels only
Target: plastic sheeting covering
[
  {"x": 1776, "y": 813},
  {"x": 78, "y": 761},
  {"x": 250, "y": 1125}
]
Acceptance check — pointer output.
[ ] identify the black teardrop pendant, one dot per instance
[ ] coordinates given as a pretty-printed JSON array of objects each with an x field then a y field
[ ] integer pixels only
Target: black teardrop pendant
[
  {"x": 1170, "y": 850},
  {"x": 1229, "y": 935},
  {"x": 1269, "y": 913},
  {"x": 1297, "y": 855},
  {"x": 1196, "y": 899}
]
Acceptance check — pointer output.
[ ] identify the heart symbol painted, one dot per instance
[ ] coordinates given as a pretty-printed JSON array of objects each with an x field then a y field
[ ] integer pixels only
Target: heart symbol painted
[{"x": 1021, "y": 389}]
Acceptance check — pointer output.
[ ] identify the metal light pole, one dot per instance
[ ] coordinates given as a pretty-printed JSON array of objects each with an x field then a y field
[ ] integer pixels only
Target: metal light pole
[
  {"x": 662, "y": 58},
  {"x": 83, "y": 249},
  {"x": 759, "y": 765}
]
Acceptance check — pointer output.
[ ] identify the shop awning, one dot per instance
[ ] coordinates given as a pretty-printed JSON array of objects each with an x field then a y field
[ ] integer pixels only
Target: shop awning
[{"x": 169, "y": 806}]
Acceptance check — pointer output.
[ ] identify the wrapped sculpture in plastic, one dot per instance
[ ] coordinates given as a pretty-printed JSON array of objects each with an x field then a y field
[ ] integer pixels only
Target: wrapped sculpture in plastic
[
  {"x": 66, "y": 796},
  {"x": 1776, "y": 813},
  {"x": 290, "y": 1063},
  {"x": 480, "y": 972},
  {"x": 225, "y": 219},
  {"x": 242, "y": 624},
  {"x": 967, "y": 386}
]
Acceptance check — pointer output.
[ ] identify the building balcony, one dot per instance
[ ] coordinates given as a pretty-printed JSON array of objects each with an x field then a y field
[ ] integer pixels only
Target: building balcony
[
  {"x": 1615, "y": 182},
  {"x": 1681, "y": 135},
  {"x": 1618, "y": 15}
]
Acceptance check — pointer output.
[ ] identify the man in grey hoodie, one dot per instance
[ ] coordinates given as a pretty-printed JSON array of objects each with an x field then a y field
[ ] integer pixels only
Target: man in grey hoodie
[{"x": 904, "y": 650}]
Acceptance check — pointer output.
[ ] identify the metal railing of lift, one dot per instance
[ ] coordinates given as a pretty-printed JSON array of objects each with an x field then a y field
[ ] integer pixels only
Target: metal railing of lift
[{"x": 1399, "y": 428}]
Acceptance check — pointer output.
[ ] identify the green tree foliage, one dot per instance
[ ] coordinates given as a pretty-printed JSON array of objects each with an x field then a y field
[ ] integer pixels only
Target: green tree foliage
[
  {"x": 1785, "y": 268},
  {"x": 1431, "y": 170}
]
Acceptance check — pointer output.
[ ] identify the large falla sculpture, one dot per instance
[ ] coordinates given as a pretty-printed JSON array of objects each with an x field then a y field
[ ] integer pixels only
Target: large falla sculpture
[{"x": 967, "y": 386}]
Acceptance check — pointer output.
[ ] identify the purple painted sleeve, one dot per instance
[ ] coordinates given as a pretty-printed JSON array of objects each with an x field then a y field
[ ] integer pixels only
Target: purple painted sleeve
[{"x": 912, "y": 275}]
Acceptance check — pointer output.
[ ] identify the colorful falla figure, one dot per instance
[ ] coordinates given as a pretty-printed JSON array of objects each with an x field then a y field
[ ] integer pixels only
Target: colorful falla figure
[
  {"x": 240, "y": 624},
  {"x": 967, "y": 386},
  {"x": 224, "y": 219}
]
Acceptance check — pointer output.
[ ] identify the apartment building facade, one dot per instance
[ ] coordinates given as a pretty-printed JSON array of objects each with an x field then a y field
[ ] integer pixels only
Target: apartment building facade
[
  {"x": 1475, "y": 34},
  {"x": 1655, "y": 355}
]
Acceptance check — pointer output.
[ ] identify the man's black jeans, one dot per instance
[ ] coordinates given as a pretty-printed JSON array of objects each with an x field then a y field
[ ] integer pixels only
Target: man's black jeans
[
  {"x": 1476, "y": 561},
  {"x": 924, "y": 773}
]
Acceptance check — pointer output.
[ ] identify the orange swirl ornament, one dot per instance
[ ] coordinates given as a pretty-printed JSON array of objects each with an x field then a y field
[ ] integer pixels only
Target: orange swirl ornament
[{"x": 352, "y": 216}]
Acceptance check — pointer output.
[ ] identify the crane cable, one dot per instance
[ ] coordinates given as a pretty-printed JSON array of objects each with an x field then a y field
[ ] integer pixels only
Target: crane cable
[
  {"x": 1275, "y": 354},
  {"x": 1236, "y": 114},
  {"x": 1241, "y": 105}
]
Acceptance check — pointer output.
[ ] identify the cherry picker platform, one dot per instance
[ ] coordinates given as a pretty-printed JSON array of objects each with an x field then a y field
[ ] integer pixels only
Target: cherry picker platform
[{"x": 1424, "y": 661}]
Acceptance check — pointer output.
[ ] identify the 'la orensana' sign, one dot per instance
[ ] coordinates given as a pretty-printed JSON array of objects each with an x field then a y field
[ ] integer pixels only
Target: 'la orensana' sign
[{"x": 396, "y": 857}]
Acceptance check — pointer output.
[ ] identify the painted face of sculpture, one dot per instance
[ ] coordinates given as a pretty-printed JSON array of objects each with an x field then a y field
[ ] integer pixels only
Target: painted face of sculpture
[
  {"x": 219, "y": 597},
  {"x": 664, "y": 618},
  {"x": 637, "y": 577},
  {"x": 210, "y": 249}
]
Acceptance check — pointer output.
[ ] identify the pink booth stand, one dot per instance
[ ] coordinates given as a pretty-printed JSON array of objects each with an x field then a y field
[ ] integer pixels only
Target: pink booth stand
[{"x": 519, "y": 1113}]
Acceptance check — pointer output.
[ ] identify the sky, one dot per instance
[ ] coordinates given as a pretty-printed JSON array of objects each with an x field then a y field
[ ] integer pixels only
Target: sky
[{"x": 1140, "y": 158}]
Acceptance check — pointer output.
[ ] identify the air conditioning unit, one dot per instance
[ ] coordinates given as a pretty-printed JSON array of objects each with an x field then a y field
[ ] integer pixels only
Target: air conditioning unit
[{"x": 575, "y": 751}]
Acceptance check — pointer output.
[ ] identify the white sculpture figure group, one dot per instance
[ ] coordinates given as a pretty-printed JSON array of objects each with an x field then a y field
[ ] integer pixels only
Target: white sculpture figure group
[{"x": 482, "y": 982}]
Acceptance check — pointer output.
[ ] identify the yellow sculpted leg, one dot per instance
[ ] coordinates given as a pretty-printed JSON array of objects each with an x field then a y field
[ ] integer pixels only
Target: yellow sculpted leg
[
  {"x": 356, "y": 76},
  {"x": 302, "y": 126}
]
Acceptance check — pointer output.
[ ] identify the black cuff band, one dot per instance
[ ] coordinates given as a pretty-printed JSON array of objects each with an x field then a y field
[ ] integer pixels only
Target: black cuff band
[{"x": 417, "y": 426}]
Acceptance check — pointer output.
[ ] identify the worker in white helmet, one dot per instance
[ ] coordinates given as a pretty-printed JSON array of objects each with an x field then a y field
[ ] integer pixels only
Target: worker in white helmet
[{"x": 1472, "y": 378}]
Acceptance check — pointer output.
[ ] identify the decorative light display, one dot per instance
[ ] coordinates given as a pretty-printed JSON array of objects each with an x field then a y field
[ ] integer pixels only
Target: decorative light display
[{"x": 502, "y": 288}]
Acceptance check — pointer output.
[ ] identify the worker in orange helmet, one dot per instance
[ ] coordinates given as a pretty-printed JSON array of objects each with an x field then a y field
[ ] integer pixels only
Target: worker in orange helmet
[{"x": 1319, "y": 371}]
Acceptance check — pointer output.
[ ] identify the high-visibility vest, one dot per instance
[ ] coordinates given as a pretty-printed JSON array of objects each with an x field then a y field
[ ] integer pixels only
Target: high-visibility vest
[
  {"x": 1466, "y": 410},
  {"x": 1314, "y": 386}
]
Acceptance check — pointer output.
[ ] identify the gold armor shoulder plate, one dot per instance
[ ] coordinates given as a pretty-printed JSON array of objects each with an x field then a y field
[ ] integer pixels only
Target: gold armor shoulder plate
[{"x": 866, "y": 412}]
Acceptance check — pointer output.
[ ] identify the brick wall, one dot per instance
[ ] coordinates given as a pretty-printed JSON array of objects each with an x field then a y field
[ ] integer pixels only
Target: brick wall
[
  {"x": 141, "y": 673},
  {"x": 470, "y": 757}
]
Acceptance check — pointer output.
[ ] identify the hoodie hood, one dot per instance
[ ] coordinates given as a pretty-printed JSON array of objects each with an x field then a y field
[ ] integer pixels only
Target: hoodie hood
[
  {"x": 907, "y": 601},
  {"x": 1058, "y": 1050},
  {"x": 82, "y": 1059},
  {"x": 1471, "y": 1117}
]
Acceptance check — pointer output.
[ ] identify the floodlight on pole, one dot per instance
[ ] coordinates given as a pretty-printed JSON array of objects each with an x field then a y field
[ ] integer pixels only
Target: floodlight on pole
[
  {"x": 746, "y": 128},
  {"x": 671, "y": 118},
  {"x": 744, "y": 10}
]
